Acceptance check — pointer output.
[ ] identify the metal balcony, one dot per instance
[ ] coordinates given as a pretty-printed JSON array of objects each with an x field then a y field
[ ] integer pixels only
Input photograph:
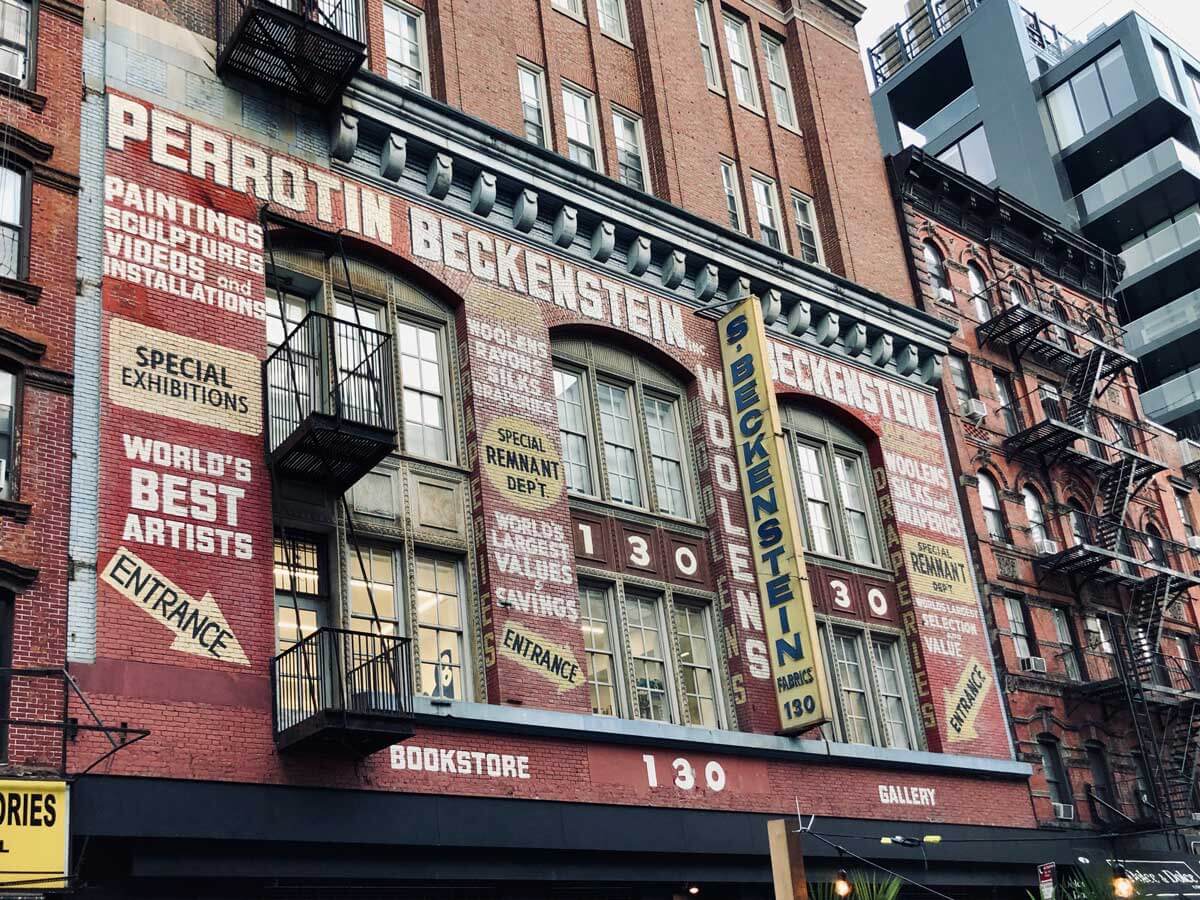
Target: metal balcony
[
  {"x": 1101, "y": 550},
  {"x": 340, "y": 689},
  {"x": 1087, "y": 438},
  {"x": 330, "y": 402},
  {"x": 309, "y": 49},
  {"x": 907, "y": 40},
  {"x": 1165, "y": 680},
  {"x": 1026, "y": 319},
  {"x": 1189, "y": 452}
]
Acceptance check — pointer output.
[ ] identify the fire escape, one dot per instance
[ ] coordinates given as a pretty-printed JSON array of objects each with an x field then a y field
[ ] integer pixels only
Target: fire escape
[
  {"x": 330, "y": 406},
  {"x": 1127, "y": 670}
]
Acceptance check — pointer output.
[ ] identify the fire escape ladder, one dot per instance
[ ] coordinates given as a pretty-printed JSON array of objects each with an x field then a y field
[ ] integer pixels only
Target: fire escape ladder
[
  {"x": 1180, "y": 752},
  {"x": 1135, "y": 663},
  {"x": 1114, "y": 491},
  {"x": 1149, "y": 604},
  {"x": 1080, "y": 386}
]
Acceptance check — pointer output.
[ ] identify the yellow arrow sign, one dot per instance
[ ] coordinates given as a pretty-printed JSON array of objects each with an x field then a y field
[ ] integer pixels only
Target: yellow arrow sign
[
  {"x": 965, "y": 700},
  {"x": 199, "y": 626}
]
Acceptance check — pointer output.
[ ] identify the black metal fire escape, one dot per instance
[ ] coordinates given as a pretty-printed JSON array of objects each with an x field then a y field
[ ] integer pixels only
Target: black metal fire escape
[
  {"x": 1162, "y": 699},
  {"x": 330, "y": 410}
]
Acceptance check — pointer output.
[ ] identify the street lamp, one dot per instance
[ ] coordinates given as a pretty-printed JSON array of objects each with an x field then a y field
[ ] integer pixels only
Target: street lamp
[
  {"x": 841, "y": 885},
  {"x": 1123, "y": 886}
]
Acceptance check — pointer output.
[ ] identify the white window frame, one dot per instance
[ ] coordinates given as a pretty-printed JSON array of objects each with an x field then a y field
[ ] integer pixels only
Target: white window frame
[
  {"x": 741, "y": 59},
  {"x": 572, "y": 8},
  {"x": 422, "y": 44},
  {"x": 803, "y": 202},
  {"x": 671, "y": 684},
  {"x": 772, "y": 194},
  {"x": 782, "y": 80},
  {"x": 8, "y": 459},
  {"x": 464, "y": 629},
  {"x": 621, "y": 32},
  {"x": 587, "y": 403},
  {"x": 539, "y": 80},
  {"x": 708, "y": 46},
  {"x": 864, "y": 639},
  {"x": 620, "y": 682},
  {"x": 672, "y": 402},
  {"x": 639, "y": 131},
  {"x": 25, "y": 49},
  {"x": 442, "y": 339},
  {"x": 731, "y": 186},
  {"x": 570, "y": 87},
  {"x": 705, "y": 611}
]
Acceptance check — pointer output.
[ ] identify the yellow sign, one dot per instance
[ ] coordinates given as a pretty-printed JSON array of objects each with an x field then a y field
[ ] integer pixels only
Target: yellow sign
[
  {"x": 775, "y": 542},
  {"x": 521, "y": 461},
  {"x": 937, "y": 569},
  {"x": 965, "y": 700},
  {"x": 33, "y": 829},
  {"x": 198, "y": 625},
  {"x": 553, "y": 662}
]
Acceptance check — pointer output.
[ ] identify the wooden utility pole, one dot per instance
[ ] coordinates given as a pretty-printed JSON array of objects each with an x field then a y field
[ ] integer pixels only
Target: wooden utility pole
[{"x": 787, "y": 861}]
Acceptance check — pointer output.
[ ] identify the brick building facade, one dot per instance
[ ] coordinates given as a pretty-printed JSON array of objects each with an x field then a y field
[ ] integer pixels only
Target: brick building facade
[
  {"x": 1081, "y": 509},
  {"x": 407, "y": 533}
]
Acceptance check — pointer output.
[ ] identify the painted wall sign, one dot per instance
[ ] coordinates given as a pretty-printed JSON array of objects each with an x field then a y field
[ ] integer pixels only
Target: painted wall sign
[
  {"x": 938, "y": 569},
  {"x": 460, "y": 763},
  {"x": 775, "y": 542},
  {"x": 35, "y": 833},
  {"x": 520, "y": 459},
  {"x": 964, "y": 701},
  {"x": 907, "y": 795},
  {"x": 199, "y": 626},
  {"x": 159, "y": 372},
  {"x": 552, "y": 661}
]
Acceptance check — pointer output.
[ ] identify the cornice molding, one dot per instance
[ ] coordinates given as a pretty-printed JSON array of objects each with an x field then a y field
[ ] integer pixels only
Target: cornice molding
[
  {"x": 711, "y": 263},
  {"x": 50, "y": 380},
  {"x": 25, "y": 349},
  {"x": 26, "y": 290},
  {"x": 67, "y": 182},
  {"x": 65, "y": 9}
]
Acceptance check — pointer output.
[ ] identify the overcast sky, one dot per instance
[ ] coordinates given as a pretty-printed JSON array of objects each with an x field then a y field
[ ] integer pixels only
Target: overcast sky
[{"x": 1178, "y": 18}]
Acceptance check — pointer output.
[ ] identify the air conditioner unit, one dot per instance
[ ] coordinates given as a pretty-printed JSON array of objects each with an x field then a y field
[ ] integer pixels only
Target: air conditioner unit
[
  {"x": 946, "y": 294},
  {"x": 1196, "y": 817},
  {"x": 1033, "y": 664},
  {"x": 974, "y": 409},
  {"x": 1193, "y": 541},
  {"x": 1064, "y": 811},
  {"x": 1046, "y": 547}
]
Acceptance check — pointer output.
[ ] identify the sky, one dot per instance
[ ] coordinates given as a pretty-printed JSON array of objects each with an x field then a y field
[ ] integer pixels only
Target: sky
[{"x": 1178, "y": 18}]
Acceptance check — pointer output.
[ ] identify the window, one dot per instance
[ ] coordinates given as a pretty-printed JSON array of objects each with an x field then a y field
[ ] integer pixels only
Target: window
[
  {"x": 301, "y": 607},
  {"x": 651, "y": 696},
  {"x": 422, "y": 372},
  {"x": 960, "y": 377},
  {"x": 693, "y": 632},
  {"x": 1066, "y": 641},
  {"x": 807, "y": 236},
  {"x": 1052, "y": 767},
  {"x": 15, "y": 25},
  {"x": 830, "y": 473},
  {"x": 373, "y": 605},
  {"x": 708, "y": 54},
  {"x": 972, "y": 156},
  {"x": 870, "y": 691},
  {"x": 979, "y": 293},
  {"x": 733, "y": 195},
  {"x": 666, "y": 455},
  {"x": 1184, "y": 507},
  {"x": 1021, "y": 627},
  {"x": 532, "y": 85},
  {"x": 8, "y": 427},
  {"x": 612, "y": 18},
  {"x": 581, "y": 126},
  {"x": 1164, "y": 73},
  {"x": 1186, "y": 664},
  {"x": 1079, "y": 528},
  {"x": 404, "y": 40},
  {"x": 1141, "y": 786},
  {"x": 1194, "y": 80},
  {"x": 1035, "y": 515},
  {"x": 596, "y": 621},
  {"x": 569, "y": 390},
  {"x": 1155, "y": 546},
  {"x": 1091, "y": 97},
  {"x": 1100, "y": 650},
  {"x": 993, "y": 515},
  {"x": 1007, "y": 408},
  {"x": 13, "y": 210},
  {"x": 1102, "y": 783},
  {"x": 936, "y": 268},
  {"x": 767, "y": 211},
  {"x": 780, "y": 80},
  {"x": 571, "y": 7},
  {"x": 631, "y": 150},
  {"x": 439, "y": 632},
  {"x": 626, "y": 422},
  {"x": 737, "y": 36}
]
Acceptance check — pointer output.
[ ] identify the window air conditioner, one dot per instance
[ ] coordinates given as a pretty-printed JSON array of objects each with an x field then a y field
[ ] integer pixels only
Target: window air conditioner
[
  {"x": 1046, "y": 547},
  {"x": 1193, "y": 541},
  {"x": 1033, "y": 664},
  {"x": 974, "y": 409},
  {"x": 1064, "y": 811},
  {"x": 1195, "y": 817},
  {"x": 946, "y": 294}
]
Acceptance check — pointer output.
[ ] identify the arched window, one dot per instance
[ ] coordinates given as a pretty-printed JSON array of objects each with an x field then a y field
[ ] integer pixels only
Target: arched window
[
  {"x": 1035, "y": 514},
  {"x": 621, "y": 419},
  {"x": 1079, "y": 525},
  {"x": 831, "y": 475},
  {"x": 979, "y": 296},
  {"x": 1102, "y": 783},
  {"x": 1154, "y": 544},
  {"x": 993, "y": 515},
  {"x": 1057, "y": 782},
  {"x": 936, "y": 267},
  {"x": 1016, "y": 293},
  {"x": 1059, "y": 334}
]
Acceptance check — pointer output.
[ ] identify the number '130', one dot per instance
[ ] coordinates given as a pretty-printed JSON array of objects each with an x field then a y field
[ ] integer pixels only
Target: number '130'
[{"x": 685, "y": 774}]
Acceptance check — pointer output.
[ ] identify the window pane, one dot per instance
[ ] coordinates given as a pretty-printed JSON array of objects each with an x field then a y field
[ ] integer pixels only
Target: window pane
[
  {"x": 666, "y": 453},
  {"x": 11, "y": 221},
  {"x": 704, "y": 33},
  {"x": 598, "y": 643},
  {"x": 373, "y": 589},
  {"x": 402, "y": 39},
  {"x": 439, "y": 628},
  {"x": 768, "y": 217},
  {"x": 1164, "y": 73},
  {"x": 7, "y": 402},
  {"x": 620, "y": 443},
  {"x": 1061, "y": 104},
  {"x": 813, "y": 483},
  {"x": 1118, "y": 86},
  {"x": 297, "y": 567},
  {"x": 733, "y": 205},
  {"x": 806, "y": 229},
  {"x": 612, "y": 17},
  {"x": 959, "y": 377},
  {"x": 573, "y": 430},
  {"x": 738, "y": 41},
  {"x": 858, "y": 517},
  {"x": 893, "y": 705},
  {"x": 977, "y": 156},
  {"x": 649, "y": 668},
  {"x": 421, "y": 376},
  {"x": 14, "y": 38},
  {"x": 630, "y": 165},
  {"x": 696, "y": 665},
  {"x": 578, "y": 110},
  {"x": 1017, "y": 625},
  {"x": 530, "y": 84},
  {"x": 1089, "y": 99},
  {"x": 852, "y": 683},
  {"x": 777, "y": 75}
]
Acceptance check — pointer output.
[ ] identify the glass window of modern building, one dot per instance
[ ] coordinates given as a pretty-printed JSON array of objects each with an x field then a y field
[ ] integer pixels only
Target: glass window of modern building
[{"x": 1092, "y": 96}]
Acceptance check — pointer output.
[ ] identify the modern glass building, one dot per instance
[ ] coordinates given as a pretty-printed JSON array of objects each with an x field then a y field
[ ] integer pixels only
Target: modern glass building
[{"x": 1099, "y": 133}]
